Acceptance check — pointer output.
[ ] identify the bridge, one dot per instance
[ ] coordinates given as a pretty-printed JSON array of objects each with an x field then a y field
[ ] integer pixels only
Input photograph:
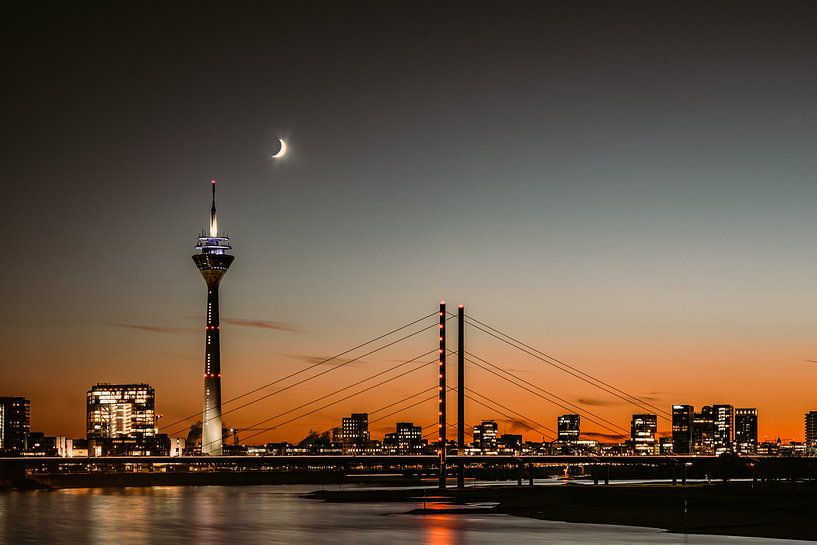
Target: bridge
[
  {"x": 677, "y": 466},
  {"x": 136, "y": 470}
]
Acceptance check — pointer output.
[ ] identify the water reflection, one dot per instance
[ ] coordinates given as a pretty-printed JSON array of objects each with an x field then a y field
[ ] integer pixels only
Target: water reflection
[
  {"x": 277, "y": 515},
  {"x": 442, "y": 529}
]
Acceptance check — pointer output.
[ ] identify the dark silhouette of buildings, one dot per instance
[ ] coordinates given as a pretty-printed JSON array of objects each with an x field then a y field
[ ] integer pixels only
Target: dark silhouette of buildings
[
  {"x": 15, "y": 424},
  {"x": 213, "y": 262},
  {"x": 567, "y": 428},
  {"x": 703, "y": 431},
  {"x": 509, "y": 443}
]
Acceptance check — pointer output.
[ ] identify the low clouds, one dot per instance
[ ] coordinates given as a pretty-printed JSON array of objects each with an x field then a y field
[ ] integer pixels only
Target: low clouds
[
  {"x": 263, "y": 324},
  {"x": 153, "y": 328},
  {"x": 241, "y": 322},
  {"x": 597, "y": 402},
  {"x": 325, "y": 360}
]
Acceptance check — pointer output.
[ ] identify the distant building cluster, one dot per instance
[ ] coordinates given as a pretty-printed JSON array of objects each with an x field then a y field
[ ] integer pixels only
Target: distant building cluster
[
  {"x": 716, "y": 429},
  {"x": 120, "y": 421}
]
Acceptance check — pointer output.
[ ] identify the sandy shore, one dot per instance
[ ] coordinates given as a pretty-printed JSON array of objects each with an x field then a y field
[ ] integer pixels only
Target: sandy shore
[{"x": 738, "y": 509}]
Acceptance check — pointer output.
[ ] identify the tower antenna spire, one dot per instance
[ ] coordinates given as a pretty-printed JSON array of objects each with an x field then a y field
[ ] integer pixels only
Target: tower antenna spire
[{"x": 213, "y": 218}]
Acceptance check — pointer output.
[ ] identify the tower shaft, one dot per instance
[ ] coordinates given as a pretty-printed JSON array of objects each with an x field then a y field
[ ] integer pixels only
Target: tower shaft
[{"x": 211, "y": 427}]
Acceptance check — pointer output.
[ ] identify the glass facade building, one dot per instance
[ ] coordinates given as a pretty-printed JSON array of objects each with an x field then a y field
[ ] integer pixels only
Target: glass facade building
[{"x": 121, "y": 417}]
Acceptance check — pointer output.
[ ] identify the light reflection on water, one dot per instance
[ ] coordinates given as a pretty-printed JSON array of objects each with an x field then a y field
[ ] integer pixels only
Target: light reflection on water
[{"x": 277, "y": 515}]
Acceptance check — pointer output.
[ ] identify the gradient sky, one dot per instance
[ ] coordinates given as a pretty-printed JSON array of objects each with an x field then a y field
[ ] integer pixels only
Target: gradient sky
[{"x": 629, "y": 188}]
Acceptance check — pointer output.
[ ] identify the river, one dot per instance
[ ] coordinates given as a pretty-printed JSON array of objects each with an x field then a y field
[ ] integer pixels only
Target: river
[{"x": 277, "y": 515}]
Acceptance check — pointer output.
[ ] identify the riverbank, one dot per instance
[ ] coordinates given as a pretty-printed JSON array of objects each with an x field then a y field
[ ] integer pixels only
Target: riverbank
[{"x": 738, "y": 509}]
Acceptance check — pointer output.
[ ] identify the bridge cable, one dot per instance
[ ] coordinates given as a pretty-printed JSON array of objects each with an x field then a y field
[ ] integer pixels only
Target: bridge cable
[
  {"x": 617, "y": 432},
  {"x": 581, "y": 375},
  {"x": 509, "y": 416},
  {"x": 520, "y": 415},
  {"x": 345, "y": 387},
  {"x": 369, "y": 388},
  {"x": 323, "y": 362},
  {"x": 572, "y": 407},
  {"x": 324, "y": 372}
]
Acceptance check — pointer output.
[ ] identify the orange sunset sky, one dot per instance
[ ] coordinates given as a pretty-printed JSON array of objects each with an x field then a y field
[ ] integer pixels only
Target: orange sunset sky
[{"x": 633, "y": 193}]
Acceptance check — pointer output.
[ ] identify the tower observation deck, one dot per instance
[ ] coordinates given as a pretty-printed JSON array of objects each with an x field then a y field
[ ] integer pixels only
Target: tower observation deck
[{"x": 212, "y": 261}]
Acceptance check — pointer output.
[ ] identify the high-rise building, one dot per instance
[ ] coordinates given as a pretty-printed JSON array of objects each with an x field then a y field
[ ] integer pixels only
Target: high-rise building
[
  {"x": 121, "y": 410},
  {"x": 643, "y": 428},
  {"x": 121, "y": 417},
  {"x": 213, "y": 262},
  {"x": 485, "y": 437},
  {"x": 353, "y": 433},
  {"x": 703, "y": 431},
  {"x": 746, "y": 431},
  {"x": 724, "y": 416},
  {"x": 683, "y": 417},
  {"x": 407, "y": 439},
  {"x": 811, "y": 428},
  {"x": 15, "y": 424},
  {"x": 509, "y": 444},
  {"x": 567, "y": 426}
]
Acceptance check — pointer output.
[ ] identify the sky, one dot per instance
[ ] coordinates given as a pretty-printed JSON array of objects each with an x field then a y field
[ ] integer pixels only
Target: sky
[{"x": 629, "y": 188}]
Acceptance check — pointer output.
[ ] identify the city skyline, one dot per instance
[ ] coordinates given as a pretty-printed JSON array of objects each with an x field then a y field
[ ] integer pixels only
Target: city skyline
[
  {"x": 121, "y": 420},
  {"x": 633, "y": 194}
]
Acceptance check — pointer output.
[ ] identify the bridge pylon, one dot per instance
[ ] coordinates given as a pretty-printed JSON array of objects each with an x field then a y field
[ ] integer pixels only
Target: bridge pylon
[{"x": 443, "y": 421}]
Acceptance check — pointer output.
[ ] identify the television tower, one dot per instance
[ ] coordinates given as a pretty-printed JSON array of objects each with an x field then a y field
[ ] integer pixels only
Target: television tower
[{"x": 213, "y": 261}]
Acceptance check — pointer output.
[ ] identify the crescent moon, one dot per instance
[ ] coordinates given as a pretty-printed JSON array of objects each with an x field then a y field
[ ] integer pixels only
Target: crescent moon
[{"x": 282, "y": 151}]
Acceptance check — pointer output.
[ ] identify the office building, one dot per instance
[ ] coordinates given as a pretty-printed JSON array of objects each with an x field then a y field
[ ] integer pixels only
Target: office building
[
  {"x": 509, "y": 444},
  {"x": 406, "y": 439},
  {"x": 811, "y": 428},
  {"x": 353, "y": 434},
  {"x": 724, "y": 417},
  {"x": 213, "y": 262},
  {"x": 15, "y": 424},
  {"x": 121, "y": 419},
  {"x": 703, "y": 431},
  {"x": 683, "y": 418},
  {"x": 567, "y": 427},
  {"x": 643, "y": 428},
  {"x": 485, "y": 435},
  {"x": 746, "y": 431}
]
